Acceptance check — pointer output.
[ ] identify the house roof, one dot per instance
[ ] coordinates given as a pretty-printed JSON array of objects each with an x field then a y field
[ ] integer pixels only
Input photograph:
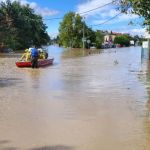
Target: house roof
[{"x": 115, "y": 33}]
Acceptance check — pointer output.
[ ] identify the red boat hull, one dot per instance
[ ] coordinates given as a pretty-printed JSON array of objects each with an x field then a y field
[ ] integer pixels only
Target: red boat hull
[{"x": 41, "y": 63}]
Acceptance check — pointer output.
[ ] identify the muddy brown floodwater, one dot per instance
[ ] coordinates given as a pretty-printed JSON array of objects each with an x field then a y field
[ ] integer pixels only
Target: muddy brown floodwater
[{"x": 97, "y": 102}]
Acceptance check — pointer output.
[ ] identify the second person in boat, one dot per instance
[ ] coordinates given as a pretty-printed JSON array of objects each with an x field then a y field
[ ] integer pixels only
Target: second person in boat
[{"x": 34, "y": 57}]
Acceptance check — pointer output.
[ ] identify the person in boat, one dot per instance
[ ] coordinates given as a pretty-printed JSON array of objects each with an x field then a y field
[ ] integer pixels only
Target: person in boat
[
  {"x": 26, "y": 56},
  {"x": 34, "y": 57},
  {"x": 46, "y": 55},
  {"x": 41, "y": 54}
]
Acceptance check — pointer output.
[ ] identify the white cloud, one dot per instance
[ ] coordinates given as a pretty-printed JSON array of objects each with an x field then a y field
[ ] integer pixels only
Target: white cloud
[
  {"x": 109, "y": 13},
  {"x": 39, "y": 10},
  {"x": 103, "y": 14},
  {"x": 91, "y": 5},
  {"x": 141, "y": 31},
  {"x": 33, "y": 5},
  {"x": 120, "y": 18},
  {"x": 43, "y": 11},
  {"x": 53, "y": 34},
  {"x": 127, "y": 17},
  {"x": 131, "y": 31}
]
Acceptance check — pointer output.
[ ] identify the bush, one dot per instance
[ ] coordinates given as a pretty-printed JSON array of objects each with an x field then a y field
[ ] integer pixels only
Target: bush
[{"x": 123, "y": 40}]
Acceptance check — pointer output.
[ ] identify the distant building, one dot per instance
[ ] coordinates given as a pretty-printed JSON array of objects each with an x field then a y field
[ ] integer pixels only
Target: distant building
[
  {"x": 110, "y": 37},
  {"x": 132, "y": 42}
]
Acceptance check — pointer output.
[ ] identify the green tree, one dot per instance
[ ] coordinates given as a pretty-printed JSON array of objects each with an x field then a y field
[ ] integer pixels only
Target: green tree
[
  {"x": 89, "y": 36},
  {"x": 20, "y": 27},
  {"x": 71, "y": 31},
  {"x": 123, "y": 40},
  {"x": 140, "y": 7},
  {"x": 7, "y": 29},
  {"x": 99, "y": 38}
]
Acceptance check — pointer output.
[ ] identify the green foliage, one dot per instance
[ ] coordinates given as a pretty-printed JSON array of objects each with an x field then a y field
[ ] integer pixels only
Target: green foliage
[
  {"x": 20, "y": 27},
  {"x": 99, "y": 38},
  {"x": 123, "y": 40},
  {"x": 90, "y": 35},
  {"x": 140, "y": 7},
  {"x": 71, "y": 31}
]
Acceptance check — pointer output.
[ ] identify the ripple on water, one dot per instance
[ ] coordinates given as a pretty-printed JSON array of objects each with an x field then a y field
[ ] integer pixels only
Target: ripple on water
[{"x": 82, "y": 101}]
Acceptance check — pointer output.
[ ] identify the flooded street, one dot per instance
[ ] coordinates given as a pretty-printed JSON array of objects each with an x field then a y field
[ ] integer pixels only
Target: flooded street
[{"x": 85, "y": 101}]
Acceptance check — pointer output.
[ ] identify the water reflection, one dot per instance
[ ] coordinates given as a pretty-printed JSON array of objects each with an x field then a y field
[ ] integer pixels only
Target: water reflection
[
  {"x": 57, "y": 147},
  {"x": 83, "y": 102},
  {"x": 33, "y": 76},
  {"x": 61, "y": 53},
  {"x": 7, "y": 82},
  {"x": 56, "y": 52},
  {"x": 71, "y": 53}
]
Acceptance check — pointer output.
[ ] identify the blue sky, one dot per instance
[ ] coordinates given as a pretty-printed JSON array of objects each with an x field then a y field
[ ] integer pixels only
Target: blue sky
[{"x": 57, "y": 9}]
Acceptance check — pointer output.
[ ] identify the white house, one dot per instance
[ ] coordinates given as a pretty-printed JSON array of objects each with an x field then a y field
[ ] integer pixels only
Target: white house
[{"x": 110, "y": 37}]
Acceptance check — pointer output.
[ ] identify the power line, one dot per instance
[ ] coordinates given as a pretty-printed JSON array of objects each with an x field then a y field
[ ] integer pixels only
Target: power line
[
  {"x": 107, "y": 20},
  {"x": 93, "y": 10},
  {"x": 97, "y": 7},
  {"x": 85, "y": 11},
  {"x": 96, "y": 24}
]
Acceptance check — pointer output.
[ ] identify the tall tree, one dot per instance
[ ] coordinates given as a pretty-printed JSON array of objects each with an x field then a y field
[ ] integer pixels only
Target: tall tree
[
  {"x": 99, "y": 38},
  {"x": 90, "y": 36},
  {"x": 72, "y": 29},
  {"x": 20, "y": 27}
]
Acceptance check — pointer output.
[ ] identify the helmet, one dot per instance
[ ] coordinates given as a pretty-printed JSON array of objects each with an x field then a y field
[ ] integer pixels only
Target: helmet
[
  {"x": 40, "y": 50},
  {"x": 30, "y": 49},
  {"x": 26, "y": 50}
]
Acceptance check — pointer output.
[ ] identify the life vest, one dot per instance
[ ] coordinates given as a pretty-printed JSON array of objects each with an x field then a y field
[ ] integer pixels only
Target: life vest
[{"x": 34, "y": 52}]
